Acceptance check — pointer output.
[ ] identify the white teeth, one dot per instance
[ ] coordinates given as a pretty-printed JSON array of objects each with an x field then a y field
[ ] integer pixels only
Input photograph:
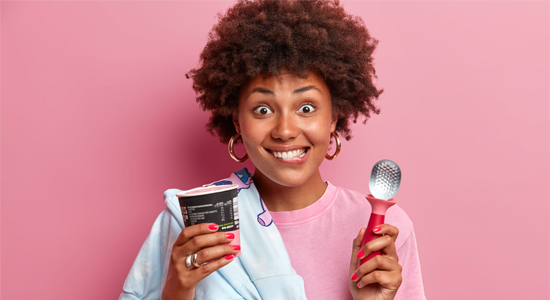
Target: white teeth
[{"x": 289, "y": 154}]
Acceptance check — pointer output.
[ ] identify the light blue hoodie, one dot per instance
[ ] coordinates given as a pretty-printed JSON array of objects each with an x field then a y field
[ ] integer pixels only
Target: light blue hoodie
[{"x": 262, "y": 271}]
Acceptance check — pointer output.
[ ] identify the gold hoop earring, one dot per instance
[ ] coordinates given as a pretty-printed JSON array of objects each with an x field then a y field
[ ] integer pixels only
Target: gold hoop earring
[
  {"x": 232, "y": 152},
  {"x": 338, "y": 146}
]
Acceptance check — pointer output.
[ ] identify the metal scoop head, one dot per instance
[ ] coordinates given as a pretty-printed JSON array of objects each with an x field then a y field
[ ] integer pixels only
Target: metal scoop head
[{"x": 385, "y": 179}]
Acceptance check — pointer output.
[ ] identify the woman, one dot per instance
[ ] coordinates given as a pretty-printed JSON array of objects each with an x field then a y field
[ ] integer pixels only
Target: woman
[{"x": 285, "y": 77}]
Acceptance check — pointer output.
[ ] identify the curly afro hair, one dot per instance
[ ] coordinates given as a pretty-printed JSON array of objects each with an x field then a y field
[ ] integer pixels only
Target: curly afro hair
[{"x": 268, "y": 36}]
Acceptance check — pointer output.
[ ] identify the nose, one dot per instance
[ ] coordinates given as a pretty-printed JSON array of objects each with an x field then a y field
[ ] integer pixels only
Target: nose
[{"x": 285, "y": 128}]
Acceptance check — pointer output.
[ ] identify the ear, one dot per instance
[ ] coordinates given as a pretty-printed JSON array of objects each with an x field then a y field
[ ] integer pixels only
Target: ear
[
  {"x": 334, "y": 121},
  {"x": 236, "y": 121}
]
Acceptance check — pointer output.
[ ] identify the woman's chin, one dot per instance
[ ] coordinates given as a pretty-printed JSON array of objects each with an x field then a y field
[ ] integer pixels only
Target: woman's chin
[{"x": 286, "y": 178}]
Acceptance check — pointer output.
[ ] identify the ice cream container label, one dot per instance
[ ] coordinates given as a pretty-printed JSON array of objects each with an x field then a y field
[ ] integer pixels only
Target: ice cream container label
[{"x": 216, "y": 204}]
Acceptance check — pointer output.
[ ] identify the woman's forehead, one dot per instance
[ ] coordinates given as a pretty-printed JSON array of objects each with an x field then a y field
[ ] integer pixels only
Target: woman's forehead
[{"x": 286, "y": 81}]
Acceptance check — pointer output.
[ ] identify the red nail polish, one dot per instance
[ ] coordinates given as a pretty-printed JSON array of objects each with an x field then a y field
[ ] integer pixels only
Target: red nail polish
[
  {"x": 230, "y": 236},
  {"x": 229, "y": 257},
  {"x": 236, "y": 247},
  {"x": 354, "y": 276},
  {"x": 360, "y": 254},
  {"x": 377, "y": 228},
  {"x": 213, "y": 227},
  {"x": 359, "y": 285}
]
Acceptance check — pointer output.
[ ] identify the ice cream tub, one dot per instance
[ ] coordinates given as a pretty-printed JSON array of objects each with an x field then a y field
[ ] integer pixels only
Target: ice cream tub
[{"x": 213, "y": 204}]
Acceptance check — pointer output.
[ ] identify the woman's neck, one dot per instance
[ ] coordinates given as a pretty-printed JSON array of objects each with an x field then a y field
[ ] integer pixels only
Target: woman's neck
[{"x": 283, "y": 198}]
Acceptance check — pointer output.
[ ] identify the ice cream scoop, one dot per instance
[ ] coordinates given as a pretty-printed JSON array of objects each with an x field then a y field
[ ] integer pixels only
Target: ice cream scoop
[{"x": 384, "y": 182}]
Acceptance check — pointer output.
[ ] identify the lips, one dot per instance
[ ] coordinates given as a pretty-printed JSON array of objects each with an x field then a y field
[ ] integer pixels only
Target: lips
[{"x": 288, "y": 155}]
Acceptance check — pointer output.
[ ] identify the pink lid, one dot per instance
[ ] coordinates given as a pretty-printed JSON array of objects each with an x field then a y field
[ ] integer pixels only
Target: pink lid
[{"x": 207, "y": 190}]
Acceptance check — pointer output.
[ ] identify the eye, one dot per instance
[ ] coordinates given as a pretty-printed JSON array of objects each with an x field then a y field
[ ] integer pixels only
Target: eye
[
  {"x": 307, "y": 108},
  {"x": 262, "y": 110}
]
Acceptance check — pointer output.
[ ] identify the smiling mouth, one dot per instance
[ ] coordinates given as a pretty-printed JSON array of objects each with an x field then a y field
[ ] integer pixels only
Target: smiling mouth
[{"x": 287, "y": 155}]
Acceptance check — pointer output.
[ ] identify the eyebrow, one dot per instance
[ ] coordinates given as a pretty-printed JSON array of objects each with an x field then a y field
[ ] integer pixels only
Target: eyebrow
[
  {"x": 271, "y": 93},
  {"x": 260, "y": 90},
  {"x": 305, "y": 89}
]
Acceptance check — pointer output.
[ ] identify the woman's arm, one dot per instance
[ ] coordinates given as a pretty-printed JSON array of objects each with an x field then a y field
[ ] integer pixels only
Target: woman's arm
[
  {"x": 163, "y": 254},
  {"x": 145, "y": 278}
]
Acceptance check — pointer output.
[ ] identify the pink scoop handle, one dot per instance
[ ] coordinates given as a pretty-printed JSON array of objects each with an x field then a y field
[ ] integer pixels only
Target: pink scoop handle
[
  {"x": 377, "y": 217},
  {"x": 374, "y": 221}
]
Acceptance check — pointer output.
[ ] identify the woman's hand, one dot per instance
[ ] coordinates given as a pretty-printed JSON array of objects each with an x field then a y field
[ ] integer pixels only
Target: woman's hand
[
  {"x": 380, "y": 277},
  {"x": 203, "y": 240}
]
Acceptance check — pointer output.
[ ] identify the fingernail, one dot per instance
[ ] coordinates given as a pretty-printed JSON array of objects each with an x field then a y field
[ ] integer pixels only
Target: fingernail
[
  {"x": 360, "y": 254},
  {"x": 213, "y": 227},
  {"x": 359, "y": 285},
  {"x": 230, "y": 236},
  {"x": 377, "y": 228},
  {"x": 354, "y": 276},
  {"x": 236, "y": 247},
  {"x": 229, "y": 257}
]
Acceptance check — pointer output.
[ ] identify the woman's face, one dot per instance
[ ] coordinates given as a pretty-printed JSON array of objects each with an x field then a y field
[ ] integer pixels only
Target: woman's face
[{"x": 285, "y": 123}]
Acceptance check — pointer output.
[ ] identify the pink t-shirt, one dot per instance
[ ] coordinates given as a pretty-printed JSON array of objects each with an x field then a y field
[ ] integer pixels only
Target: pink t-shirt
[{"x": 319, "y": 240}]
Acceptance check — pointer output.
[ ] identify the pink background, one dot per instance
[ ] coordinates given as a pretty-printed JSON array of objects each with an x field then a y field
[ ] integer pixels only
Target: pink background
[{"x": 98, "y": 119}]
